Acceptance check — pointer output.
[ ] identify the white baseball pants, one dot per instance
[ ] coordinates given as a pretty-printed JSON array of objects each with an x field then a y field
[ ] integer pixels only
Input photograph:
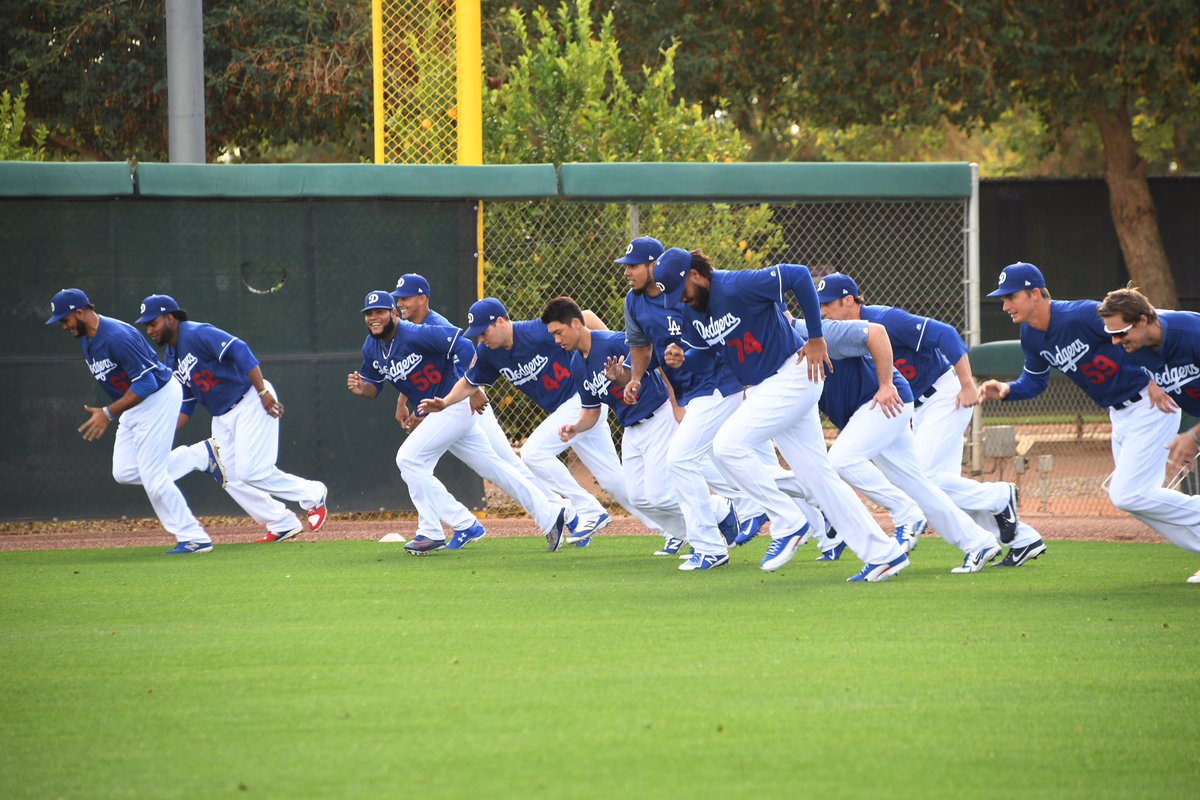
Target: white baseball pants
[
  {"x": 871, "y": 436},
  {"x": 260, "y": 506},
  {"x": 938, "y": 431},
  {"x": 643, "y": 456},
  {"x": 784, "y": 407},
  {"x": 141, "y": 453},
  {"x": 1140, "y": 436}
]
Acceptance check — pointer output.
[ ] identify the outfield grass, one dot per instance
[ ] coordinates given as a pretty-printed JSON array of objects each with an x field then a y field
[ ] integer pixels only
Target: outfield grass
[{"x": 347, "y": 669}]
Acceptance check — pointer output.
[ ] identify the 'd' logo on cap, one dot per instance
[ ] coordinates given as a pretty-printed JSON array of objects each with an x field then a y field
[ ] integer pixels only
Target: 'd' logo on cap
[
  {"x": 373, "y": 298},
  {"x": 629, "y": 249},
  {"x": 821, "y": 285},
  {"x": 399, "y": 283},
  {"x": 143, "y": 308},
  {"x": 470, "y": 319},
  {"x": 1003, "y": 278}
]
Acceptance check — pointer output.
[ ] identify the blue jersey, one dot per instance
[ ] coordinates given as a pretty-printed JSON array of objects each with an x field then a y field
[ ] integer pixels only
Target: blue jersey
[
  {"x": 121, "y": 359},
  {"x": 1175, "y": 364},
  {"x": 418, "y": 361},
  {"x": 922, "y": 348},
  {"x": 853, "y": 382},
  {"x": 595, "y": 388},
  {"x": 745, "y": 315},
  {"x": 434, "y": 318},
  {"x": 650, "y": 320},
  {"x": 212, "y": 365},
  {"x": 1075, "y": 343},
  {"x": 536, "y": 365}
]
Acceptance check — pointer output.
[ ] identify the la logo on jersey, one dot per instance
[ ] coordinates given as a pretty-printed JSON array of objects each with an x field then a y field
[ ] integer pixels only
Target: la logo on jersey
[
  {"x": 183, "y": 370},
  {"x": 673, "y": 326},
  {"x": 1067, "y": 358}
]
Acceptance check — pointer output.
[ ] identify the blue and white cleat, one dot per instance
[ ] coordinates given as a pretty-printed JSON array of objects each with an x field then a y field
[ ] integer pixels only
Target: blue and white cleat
[
  {"x": 833, "y": 553},
  {"x": 1006, "y": 520},
  {"x": 581, "y": 536},
  {"x": 462, "y": 538},
  {"x": 783, "y": 548},
  {"x": 730, "y": 526},
  {"x": 698, "y": 562},
  {"x": 216, "y": 467},
  {"x": 978, "y": 559},
  {"x": 749, "y": 529},
  {"x": 422, "y": 545},
  {"x": 873, "y": 573},
  {"x": 184, "y": 548},
  {"x": 671, "y": 546},
  {"x": 554, "y": 539},
  {"x": 908, "y": 536}
]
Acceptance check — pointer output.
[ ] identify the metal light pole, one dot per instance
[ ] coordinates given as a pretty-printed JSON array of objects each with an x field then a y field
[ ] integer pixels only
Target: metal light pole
[{"x": 185, "y": 81}]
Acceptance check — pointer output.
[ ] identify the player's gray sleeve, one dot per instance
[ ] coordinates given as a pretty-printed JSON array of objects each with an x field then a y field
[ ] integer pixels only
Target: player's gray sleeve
[
  {"x": 843, "y": 338},
  {"x": 634, "y": 335}
]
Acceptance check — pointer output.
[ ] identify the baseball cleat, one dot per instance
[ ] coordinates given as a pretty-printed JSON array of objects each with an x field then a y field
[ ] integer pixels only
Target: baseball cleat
[
  {"x": 1195, "y": 578},
  {"x": 873, "y": 573},
  {"x": 183, "y": 548},
  {"x": 907, "y": 536},
  {"x": 272, "y": 536},
  {"x": 978, "y": 559},
  {"x": 1020, "y": 555},
  {"x": 1006, "y": 520},
  {"x": 462, "y": 538},
  {"x": 422, "y": 545},
  {"x": 216, "y": 467},
  {"x": 730, "y": 526},
  {"x": 554, "y": 539},
  {"x": 749, "y": 529},
  {"x": 316, "y": 515},
  {"x": 698, "y": 562},
  {"x": 833, "y": 553},
  {"x": 783, "y": 548},
  {"x": 582, "y": 535},
  {"x": 671, "y": 546}
]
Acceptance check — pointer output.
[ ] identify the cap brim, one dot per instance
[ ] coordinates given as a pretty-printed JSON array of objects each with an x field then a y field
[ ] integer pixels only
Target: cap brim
[
  {"x": 826, "y": 298},
  {"x": 1004, "y": 292},
  {"x": 631, "y": 260},
  {"x": 476, "y": 330},
  {"x": 57, "y": 318}
]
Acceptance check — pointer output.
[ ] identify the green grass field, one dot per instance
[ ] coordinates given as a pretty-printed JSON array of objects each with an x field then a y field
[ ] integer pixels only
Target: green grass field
[{"x": 347, "y": 669}]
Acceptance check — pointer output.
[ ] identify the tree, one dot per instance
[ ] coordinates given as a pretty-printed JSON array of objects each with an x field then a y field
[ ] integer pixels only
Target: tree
[
  {"x": 12, "y": 130},
  {"x": 1131, "y": 69},
  {"x": 274, "y": 73}
]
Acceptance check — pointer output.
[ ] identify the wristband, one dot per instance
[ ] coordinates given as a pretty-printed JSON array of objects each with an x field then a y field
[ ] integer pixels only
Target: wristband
[
  {"x": 108, "y": 414},
  {"x": 263, "y": 392},
  {"x": 1195, "y": 438}
]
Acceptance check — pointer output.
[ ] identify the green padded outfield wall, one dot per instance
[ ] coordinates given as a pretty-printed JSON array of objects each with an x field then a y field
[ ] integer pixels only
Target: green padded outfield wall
[{"x": 282, "y": 258}]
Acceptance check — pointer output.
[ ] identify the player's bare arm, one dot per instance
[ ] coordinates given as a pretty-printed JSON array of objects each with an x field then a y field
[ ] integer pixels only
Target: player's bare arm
[
  {"x": 817, "y": 354},
  {"x": 461, "y": 390},
  {"x": 993, "y": 390},
  {"x": 592, "y": 321},
  {"x": 887, "y": 397},
  {"x": 968, "y": 393},
  {"x": 1183, "y": 450},
  {"x": 103, "y": 416},
  {"x": 265, "y": 396},
  {"x": 181, "y": 421},
  {"x": 674, "y": 356},
  {"x": 639, "y": 357},
  {"x": 357, "y": 386},
  {"x": 587, "y": 420}
]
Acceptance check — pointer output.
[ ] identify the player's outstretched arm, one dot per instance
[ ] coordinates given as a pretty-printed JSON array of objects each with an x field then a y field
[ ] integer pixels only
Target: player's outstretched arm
[
  {"x": 616, "y": 371},
  {"x": 588, "y": 418},
  {"x": 887, "y": 396},
  {"x": 994, "y": 390},
  {"x": 461, "y": 391},
  {"x": 1183, "y": 449},
  {"x": 357, "y": 386},
  {"x": 103, "y": 416}
]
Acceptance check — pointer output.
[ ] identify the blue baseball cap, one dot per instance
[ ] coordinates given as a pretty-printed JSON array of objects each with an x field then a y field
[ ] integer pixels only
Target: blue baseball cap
[
  {"x": 836, "y": 286},
  {"x": 1018, "y": 276},
  {"x": 482, "y": 314},
  {"x": 65, "y": 302},
  {"x": 411, "y": 284},
  {"x": 378, "y": 299},
  {"x": 670, "y": 271},
  {"x": 642, "y": 250},
  {"x": 155, "y": 306}
]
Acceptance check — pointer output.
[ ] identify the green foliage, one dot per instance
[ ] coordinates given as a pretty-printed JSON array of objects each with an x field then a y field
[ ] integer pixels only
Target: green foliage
[{"x": 12, "y": 129}]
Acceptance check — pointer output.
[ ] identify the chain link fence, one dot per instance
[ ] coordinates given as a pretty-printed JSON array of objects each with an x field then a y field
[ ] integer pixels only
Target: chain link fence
[{"x": 419, "y": 86}]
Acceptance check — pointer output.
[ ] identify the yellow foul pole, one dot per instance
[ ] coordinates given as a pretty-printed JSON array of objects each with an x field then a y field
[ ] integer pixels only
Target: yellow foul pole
[
  {"x": 470, "y": 105},
  {"x": 377, "y": 73}
]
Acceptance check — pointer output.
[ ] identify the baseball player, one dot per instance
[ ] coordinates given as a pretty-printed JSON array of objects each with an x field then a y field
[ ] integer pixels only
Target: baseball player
[
  {"x": 741, "y": 314},
  {"x": 419, "y": 361},
  {"x": 412, "y": 296},
  {"x": 649, "y": 425},
  {"x": 220, "y": 372},
  {"x": 1166, "y": 344},
  {"x": 1070, "y": 336},
  {"x": 526, "y": 354},
  {"x": 871, "y": 404},
  {"x": 145, "y": 405},
  {"x": 709, "y": 392},
  {"x": 931, "y": 356}
]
